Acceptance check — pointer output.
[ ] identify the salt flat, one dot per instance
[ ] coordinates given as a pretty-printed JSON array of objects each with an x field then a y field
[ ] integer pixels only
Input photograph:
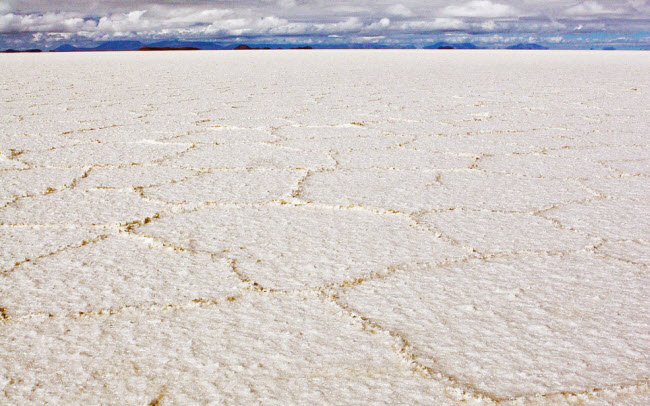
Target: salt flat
[{"x": 325, "y": 227}]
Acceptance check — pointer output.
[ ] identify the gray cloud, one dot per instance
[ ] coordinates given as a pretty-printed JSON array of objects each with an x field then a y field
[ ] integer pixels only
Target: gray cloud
[
  {"x": 480, "y": 9},
  {"x": 402, "y": 21}
]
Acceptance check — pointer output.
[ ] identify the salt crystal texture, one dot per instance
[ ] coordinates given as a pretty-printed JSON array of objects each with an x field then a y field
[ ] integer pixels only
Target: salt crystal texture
[{"x": 325, "y": 227}]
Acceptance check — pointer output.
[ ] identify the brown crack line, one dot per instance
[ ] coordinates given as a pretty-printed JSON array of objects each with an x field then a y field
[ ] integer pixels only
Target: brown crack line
[
  {"x": 17, "y": 265},
  {"x": 50, "y": 190}
]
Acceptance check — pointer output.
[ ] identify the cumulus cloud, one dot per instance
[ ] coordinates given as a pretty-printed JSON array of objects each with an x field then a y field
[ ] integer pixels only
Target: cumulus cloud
[
  {"x": 48, "y": 22},
  {"x": 438, "y": 24},
  {"x": 407, "y": 21},
  {"x": 188, "y": 16},
  {"x": 489, "y": 25},
  {"x": 287, "y": 3},
  {"x": 399, "y": 10},
  {"x": 591, "y": 8},
  {"x": 480, "y": 9},
  {"x": 380, "y": 25}
]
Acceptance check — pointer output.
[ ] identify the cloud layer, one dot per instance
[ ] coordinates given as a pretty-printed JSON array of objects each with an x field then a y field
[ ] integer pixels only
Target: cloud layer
[{"x": 399, "y": 23}]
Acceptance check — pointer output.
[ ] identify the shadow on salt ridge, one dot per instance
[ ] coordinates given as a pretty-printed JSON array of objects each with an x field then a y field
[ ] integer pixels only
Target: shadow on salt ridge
[
  {"x": 401, "y": 158},
  {"x": 604, "y": 153},
  {"x": 467, "y": 144},
  {"x": 414, "y": 191},
  {"x": 133, "y": 132},
  {"x": 346, "y": 143},
  {"x": 234, "y": 185},
  {"x": 627, "y": 187},
  {"x": 103, "y": 154},
  {"x": 22, "y": 243},
  {"x": 632, "y": 167},
  {"x": 326, "y": 132},
  {"x": 492, "y": 232},
  {"x": 32, "y": 142},
  {"x": 294, "y": 247},
  {"x": 115, "y": 272},
  {"x": 10, "y": 164},
  {"x": 220, "y": 135},
  {"x": 608, "y": 219},
  {"x": 256, "y": 349},
  {"x": 637, "y": 252},
  {"x": 81, "y": 208},
  {"x": 544, "y": 166},
  {"x": 250, "y": 156},
  {"x": 563, "y": 323},
  {"x": 133, "y": 177},
  {"x": 34, "y": 181}
]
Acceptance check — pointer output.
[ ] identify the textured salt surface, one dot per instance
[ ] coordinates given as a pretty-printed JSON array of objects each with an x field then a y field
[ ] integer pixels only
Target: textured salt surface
[{"x": 325, "y": 227}]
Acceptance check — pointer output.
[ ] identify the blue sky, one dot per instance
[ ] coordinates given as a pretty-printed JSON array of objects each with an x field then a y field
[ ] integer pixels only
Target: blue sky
[{"x": 491, "y": 23}]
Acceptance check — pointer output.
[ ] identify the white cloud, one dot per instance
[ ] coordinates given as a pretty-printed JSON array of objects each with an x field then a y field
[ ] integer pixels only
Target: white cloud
[
  {"x": 480, "y": 9},
  {"x": 302, "y": 20},
  {"x": 272, "y": 25},
  {"x": 287, "y": 3},
  {"x": 379, "y": 25},
  {"x": 119, "y": 23},
  {"x": 438, "y": 24},
  {"x": 347, "y": 9},
  {"x": 590, "y": 8},
  {"x": 190, "y": 16},
  {"x": 373, "y": 38},
  {"x": 350, "y": 25},
  {"x": 48, "y": 22},
  {"x": 489, "y": 25},
  {"x": 9, "y": 22},
  {"x": 399, "y": 10}
]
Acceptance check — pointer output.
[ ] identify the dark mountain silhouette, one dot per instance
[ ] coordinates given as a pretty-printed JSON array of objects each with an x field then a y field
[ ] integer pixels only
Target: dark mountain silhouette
[
  {"x": 175, "y": 43},
  {"x": 66, "y": 48},
  {"x": 14, "y": 51},
  {"x": 119, "y": 46},
  {"x": 372, "y": 46},
  {"x": 609, "y": 49},
  {"x": 448, "y": 45},
  {"x": 244, "y": 47},
  {"x": 104, "y": 46},
  {"x": 526, "y": 46},
  {"x": 147, "y": 48}
]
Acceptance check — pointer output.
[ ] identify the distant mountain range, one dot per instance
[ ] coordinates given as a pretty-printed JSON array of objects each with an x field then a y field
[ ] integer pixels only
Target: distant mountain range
[
  {"x": 165, "y": 45},
  {"x": 104, "y": 46},
  {"x": 448, "y": 45},
  {"x": 205, "y": 45},
  {"x": 148, "y": 48},
  {"x": 137, "y": 45},
  {"x": 244, "y": 47},
  {"x": 176, "y": 44},
  {"x": 13, "y": 51},
  {"x": 526, "y": 46}
]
